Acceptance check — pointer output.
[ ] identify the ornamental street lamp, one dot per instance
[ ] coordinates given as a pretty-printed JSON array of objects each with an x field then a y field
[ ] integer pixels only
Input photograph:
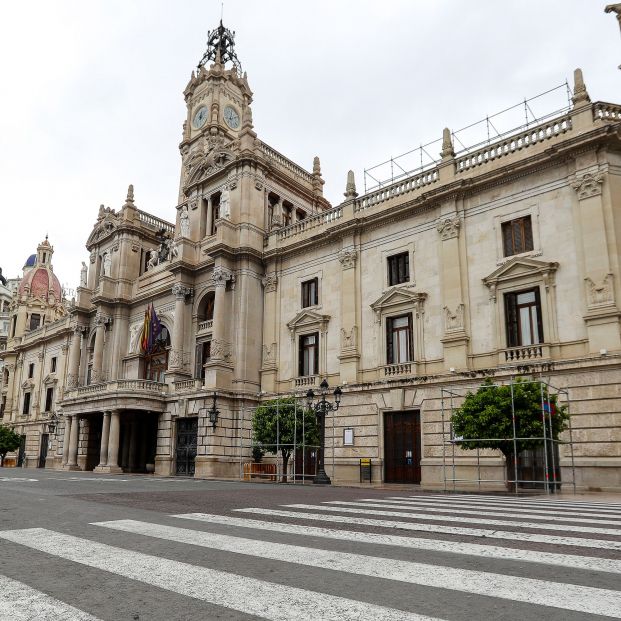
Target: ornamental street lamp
[
  {"x": 321, "y": 408},
  {"x": 213, "y": 412}
]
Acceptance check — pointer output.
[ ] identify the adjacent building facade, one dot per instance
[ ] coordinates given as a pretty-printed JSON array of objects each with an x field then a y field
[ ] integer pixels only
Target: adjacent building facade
[{"x": 499, "y": 261}]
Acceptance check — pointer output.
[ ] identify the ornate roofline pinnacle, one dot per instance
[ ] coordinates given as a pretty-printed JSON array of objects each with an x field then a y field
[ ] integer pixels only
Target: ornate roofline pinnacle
[{"x": 220, "y": 48}]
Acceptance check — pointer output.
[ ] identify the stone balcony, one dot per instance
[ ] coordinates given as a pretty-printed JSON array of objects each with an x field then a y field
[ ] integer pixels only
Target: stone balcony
[
  {"x": 205, "y": 326},
  {"x": 124, "y": 394},
  {"x": 526, "y": 353},
  {"x": 400, "y": 369}
]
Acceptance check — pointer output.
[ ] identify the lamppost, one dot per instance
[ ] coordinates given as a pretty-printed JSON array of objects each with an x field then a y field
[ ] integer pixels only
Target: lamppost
[
  {"x": 321, "y": 408},
  {"x": 213, "y": 412}
]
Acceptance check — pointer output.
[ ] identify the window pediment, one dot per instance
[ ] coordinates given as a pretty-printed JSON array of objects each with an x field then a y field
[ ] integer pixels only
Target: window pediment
[
  {"x": 397, "y": 297},
  {"x": 50, "y": 379},
  {"x": 521, "y": 267},
  {"x": 28, "y": 384},
  {"x": 308, "y": 319}
]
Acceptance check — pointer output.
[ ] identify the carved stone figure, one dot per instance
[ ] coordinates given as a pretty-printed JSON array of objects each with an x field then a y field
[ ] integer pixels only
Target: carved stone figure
[
  {"x": 225, "y": 204},
  {"x": 83, "y": 275},
  {"x": 184, "y": 223},
  {"x": 454, "y": 321},
  {"x": 107, "y": 264},
  {"x": 153, "y": 259},
  {"x": 600, "y": 295},
  {"x": 134, "y": 337}
]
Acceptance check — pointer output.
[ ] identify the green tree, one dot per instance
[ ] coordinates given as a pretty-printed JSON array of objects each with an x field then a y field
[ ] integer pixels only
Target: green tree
[
  {"x": 9, "y": 441},
  {"x": 488, "y": 413},
  {"x": 274, "y": 422}
]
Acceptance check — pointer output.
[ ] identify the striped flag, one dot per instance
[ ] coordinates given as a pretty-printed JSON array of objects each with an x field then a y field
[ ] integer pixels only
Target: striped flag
[{"x": 151, "y": 329}]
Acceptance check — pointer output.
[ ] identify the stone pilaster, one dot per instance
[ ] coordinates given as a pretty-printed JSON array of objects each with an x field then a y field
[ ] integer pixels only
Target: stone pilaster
[
  {"x": 175, "y": 360},
  {"x": 455, "y": 339},
  {"x": 269, "y": 366},
  {"x": 349, "y": 355},
  {"x": 75, "y": 349},
  {"x": 602, "y": 313},
  {"x": 218, "y": 371}
]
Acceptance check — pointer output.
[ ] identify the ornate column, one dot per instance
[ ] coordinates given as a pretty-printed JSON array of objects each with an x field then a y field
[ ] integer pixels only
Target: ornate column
[
  {"x": 218, "y": 369},
  {"x": 97, "y": 374},
  {"x": 595, "y": 212},
  {"x": 112, "y": 461},
  {"x": 75, "y": 349},
  {"x": 350, "y": 354},
  {"x": 269, "y": 366},
  {"x": 455, "y": 339},
  {"x": 72, "y": 457},
  {"x": 175, "y": 359},
  {"x": 105, "y": 436}
]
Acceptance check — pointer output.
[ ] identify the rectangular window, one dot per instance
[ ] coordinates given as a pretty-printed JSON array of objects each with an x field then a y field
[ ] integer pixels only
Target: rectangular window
[
  {"x": 309, "y": 354},
  {"x": 49, "y": 398},
  {"x": 517, "y": 236},
  {"x": 53, "y": 365},
  {"x": 310, "y": 293},
  {"x": 399, "y": 339},
  {"x": 31, "y": 370},
  {"x": 26, "y": 408},
  {"x": 398, "y": 268},
  {"x": 523, "y": 318},
  {"x": 35, "y": 321}
]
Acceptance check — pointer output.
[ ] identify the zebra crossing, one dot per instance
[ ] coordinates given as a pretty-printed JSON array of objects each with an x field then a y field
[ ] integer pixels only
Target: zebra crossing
[{"x": 545, "y": 560}]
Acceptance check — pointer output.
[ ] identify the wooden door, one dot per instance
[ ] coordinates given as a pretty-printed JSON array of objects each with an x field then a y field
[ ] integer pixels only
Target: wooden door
[{"x": 402, "y": 447}]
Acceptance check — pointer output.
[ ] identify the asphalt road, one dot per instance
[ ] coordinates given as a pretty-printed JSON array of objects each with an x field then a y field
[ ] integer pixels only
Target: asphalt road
[{"x": 79, "y": 546}]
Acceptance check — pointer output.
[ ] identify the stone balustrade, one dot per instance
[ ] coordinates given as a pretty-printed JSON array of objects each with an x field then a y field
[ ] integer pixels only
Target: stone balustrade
[
  {"x": 404, "y": 186},
  {"x": 311, "y": 222},
  {"x": 528, "y": 352},
  {"x": 280, "y": 160},
  {"x": 156, "y": 223},
  {"x": 119, "y": 385},
  {"x": 187, "y": 385},
  {"x": 512, "y": 144},
  {"x": 603, "y": 111},
  {"x": 308, "y": 380},
  {"x": 401, "y": 368},
  {"x": 204, "y": 326}
]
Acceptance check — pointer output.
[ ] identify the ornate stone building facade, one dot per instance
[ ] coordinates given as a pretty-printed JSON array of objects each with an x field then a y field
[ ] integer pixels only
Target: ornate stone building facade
[{"x": 499, "y": 261}]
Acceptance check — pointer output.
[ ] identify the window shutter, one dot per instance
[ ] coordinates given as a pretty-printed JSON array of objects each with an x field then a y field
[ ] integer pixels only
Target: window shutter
[
  {"x": 539, "y": 316},
  {"x": 528, "y": 234},
  {"x": 406, "y": 263},
  {"x": 507, "y": 239},
  {"x": 301, "y": 356},
  {"x": 316, "y": 350},
  {"x": 511, "y": 320},
  {"x": 316, "y": 291},
  {"x": 389, "y": 351},
  {"x": 410, "y": 338}
]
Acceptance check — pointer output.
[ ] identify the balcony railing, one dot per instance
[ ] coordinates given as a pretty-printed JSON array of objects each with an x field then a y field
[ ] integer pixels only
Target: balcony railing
[
  {"x": 528, "y": 352},
  {"x": 119, "y": 385},
  {"x": 402, "y": 368},
  {"x": 307, "y": 380},
  {"x": 204, "y": 326},
  {"x": 188, "y": 385}
]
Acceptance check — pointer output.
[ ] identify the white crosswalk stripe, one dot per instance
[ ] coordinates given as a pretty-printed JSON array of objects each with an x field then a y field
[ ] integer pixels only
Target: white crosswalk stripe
[
  {"x": 360, "y": 507},
  {"x": 529, "y": 564},
  {"x": 397, "y": 504},
  {"x": 19, "y": 602},
  {"x": 422, "y": 502},
  {"x": 503, "y": 500},
  {"x": 485, "y": 533},
  {"x": 566, "y": 596},
  {"x": 247, "y": 595},
  {"x": 451, "y": 547}
]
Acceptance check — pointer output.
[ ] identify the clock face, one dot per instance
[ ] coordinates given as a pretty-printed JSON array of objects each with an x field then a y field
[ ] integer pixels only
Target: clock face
[
  {"x": 231, "y": 117},
  {"x": 200, "y": 117}
]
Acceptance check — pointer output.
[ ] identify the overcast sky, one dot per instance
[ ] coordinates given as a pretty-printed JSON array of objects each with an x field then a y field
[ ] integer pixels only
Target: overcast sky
[{"x": 91, "y": 91}]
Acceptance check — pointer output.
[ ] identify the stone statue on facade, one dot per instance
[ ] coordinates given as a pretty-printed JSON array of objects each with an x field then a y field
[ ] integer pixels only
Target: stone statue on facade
[
  {"x": 184, "y": 223},
  {"x": 107, "y": 264},
  {"x": 225, "y": 204},
  {"x": 134, "y": 337},
  {"x": 153, "y": 259},
  {"x": 83, "y": 275}
]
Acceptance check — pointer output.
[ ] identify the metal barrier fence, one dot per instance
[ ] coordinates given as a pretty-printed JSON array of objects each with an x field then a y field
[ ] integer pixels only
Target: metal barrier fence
[{"x": 550, "y": 480}]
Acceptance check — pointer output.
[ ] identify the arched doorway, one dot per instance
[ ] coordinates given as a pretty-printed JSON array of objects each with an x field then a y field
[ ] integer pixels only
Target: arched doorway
[{"x": 156, "y": 362}]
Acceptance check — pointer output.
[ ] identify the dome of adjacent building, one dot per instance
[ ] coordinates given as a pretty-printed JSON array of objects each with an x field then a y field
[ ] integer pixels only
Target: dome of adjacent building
[
  {"x": 39, "y": 282},
  {"x": 30, "y": 261}
]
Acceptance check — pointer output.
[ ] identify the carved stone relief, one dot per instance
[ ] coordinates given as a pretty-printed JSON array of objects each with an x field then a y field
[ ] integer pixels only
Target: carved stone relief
[
  {"x": 588, "y": 184},
  {"x": 600, "y": 295},
  {"x": 448, "y": 227},
  {"x": 348, "y": 258}
]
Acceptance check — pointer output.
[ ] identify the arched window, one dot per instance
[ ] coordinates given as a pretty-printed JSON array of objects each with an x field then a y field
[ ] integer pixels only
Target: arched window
[
  {"x": 156, "y": 362},
  {"x": 206, "y": 306}
]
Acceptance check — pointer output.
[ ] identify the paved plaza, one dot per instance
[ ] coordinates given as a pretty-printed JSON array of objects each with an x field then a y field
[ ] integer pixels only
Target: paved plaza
[{"x": 78, "y": 546}]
